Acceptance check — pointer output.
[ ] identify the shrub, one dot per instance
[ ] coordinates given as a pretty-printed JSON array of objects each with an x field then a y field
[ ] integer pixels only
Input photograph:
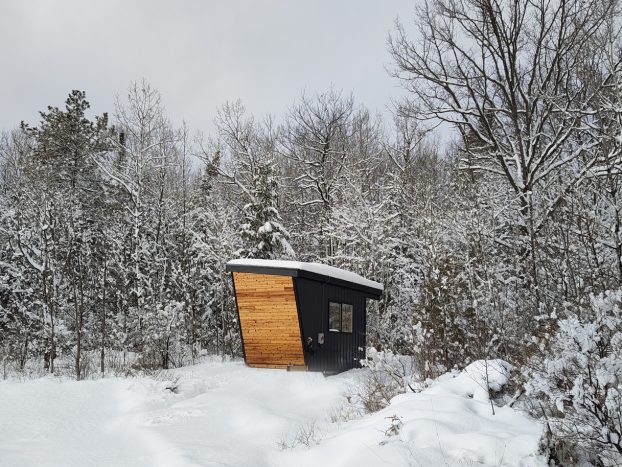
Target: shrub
[{"x": 581, "y": 380}]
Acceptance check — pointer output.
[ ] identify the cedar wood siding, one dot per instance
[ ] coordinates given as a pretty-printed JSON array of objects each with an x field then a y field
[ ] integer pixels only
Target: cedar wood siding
[{"x": 268, "y": 320}]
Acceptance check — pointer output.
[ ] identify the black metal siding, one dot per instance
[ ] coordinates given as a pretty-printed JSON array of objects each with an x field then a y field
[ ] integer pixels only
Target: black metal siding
[{"x": 340, "y": 351}]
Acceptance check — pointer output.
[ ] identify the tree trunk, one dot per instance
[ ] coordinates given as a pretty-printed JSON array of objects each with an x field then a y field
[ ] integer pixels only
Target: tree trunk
[
  {"x": 78, "y": 324},
  {"x": 102, "y": 352}
]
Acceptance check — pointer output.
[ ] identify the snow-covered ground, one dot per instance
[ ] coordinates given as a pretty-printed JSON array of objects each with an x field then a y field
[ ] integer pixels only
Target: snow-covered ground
[
  {"x": 225, "y": 414},
  {"x": 448, "y": 424}
]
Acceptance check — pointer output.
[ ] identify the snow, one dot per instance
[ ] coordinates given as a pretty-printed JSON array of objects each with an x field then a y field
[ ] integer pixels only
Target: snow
[
  {"x": 266, "y": 228},
  {"x": 224, "y": 413},
  {"x": 449, "y": 423},
  {"x": 316, "y": 268}
]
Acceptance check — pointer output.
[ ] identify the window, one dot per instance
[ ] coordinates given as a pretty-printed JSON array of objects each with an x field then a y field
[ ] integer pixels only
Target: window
[
  {"x": 334, "y": 317},
  {"x": 347, "y": 315},
  {"x": 340, "y": 317}
]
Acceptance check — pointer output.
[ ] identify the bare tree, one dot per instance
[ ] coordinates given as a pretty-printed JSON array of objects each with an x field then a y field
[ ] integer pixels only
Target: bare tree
[
  {"x": 317, "y": 140},
  {"x": 507, "y": 75}
]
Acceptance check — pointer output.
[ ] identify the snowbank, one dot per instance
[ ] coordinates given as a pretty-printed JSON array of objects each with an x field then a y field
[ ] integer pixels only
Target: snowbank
[{"x": 449, "y": 423}]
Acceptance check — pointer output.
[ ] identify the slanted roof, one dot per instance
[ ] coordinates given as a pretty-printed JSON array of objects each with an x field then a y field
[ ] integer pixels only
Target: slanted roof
[{"x": 314, "y": 271}]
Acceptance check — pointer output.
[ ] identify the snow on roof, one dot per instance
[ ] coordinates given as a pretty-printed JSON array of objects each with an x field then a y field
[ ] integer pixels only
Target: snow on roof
[{"x": 315, "y": 268}]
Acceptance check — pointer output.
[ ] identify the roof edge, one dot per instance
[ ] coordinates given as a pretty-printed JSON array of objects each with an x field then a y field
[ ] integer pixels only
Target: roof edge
[{"x": 372, "y": 292}]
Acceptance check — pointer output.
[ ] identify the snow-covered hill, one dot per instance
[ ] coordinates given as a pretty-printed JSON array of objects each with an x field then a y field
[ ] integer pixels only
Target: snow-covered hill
[{"x": 225, "y": 414}]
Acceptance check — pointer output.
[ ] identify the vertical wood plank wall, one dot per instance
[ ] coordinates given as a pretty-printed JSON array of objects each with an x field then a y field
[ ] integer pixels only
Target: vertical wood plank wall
[{"x": 268, "y": 320}]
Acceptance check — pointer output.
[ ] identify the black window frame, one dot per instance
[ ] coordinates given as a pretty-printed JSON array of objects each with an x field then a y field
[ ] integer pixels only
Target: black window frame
[{"x": 340, "y": 330}]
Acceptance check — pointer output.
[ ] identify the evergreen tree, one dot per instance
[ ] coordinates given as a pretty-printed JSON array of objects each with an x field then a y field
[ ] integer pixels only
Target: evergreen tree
[
  {"x": 59, "y": 218},
  {"x": 262, "y": 231}
]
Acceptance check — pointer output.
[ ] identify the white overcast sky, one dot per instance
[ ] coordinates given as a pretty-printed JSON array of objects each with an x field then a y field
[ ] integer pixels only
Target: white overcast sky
[{"x": 198, "y": 53}]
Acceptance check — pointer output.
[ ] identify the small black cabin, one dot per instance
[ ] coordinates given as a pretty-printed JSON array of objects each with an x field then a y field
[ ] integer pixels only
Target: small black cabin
[{"x": 301, "y": 315}]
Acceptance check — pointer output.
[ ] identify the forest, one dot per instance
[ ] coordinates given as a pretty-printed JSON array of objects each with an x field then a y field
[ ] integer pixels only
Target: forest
[{"x": 489, "y": 206}]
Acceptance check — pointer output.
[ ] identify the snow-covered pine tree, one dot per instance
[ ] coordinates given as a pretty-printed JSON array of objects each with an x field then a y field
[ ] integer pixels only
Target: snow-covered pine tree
[
  {"x": 211, "y": 319},
  {"x": 244, "y": 159},
  {"x": 61, "y": 215},
  {"x": 262, "y": 231}
]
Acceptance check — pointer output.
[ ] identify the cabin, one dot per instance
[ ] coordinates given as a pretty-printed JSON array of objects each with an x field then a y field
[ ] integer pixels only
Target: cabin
[{"x": 302, "y": 316}]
